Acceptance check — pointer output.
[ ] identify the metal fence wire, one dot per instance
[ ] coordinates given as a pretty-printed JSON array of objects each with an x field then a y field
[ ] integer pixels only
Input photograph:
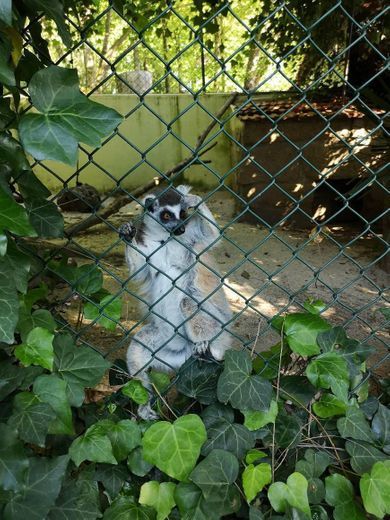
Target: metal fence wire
[{"x": 281, "y": 262}]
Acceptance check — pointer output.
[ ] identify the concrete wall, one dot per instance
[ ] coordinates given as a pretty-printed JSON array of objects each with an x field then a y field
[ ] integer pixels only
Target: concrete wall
[{"x": 149, "y": 141}]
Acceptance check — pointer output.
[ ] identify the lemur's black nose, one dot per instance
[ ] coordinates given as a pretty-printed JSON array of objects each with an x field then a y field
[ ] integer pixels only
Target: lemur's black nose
[{"x": 179, "y": 230}]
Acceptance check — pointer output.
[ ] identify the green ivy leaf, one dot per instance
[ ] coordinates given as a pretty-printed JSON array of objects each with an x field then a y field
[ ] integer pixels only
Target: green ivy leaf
[
  {"x": 198, "y": 379},
  {"x": 237, "y": 386},
  {"x": 16, "y": 265},
  {"x": 89, "y": 279},
  {"x": 329, "y": 406},
  {"x": 175, "y": 448},
  {"x": 287, "y": 430},
  {"x": 331, "y": 339},
  {"x": 312, "y": 467},
  {"x": 314, "y": 306},
  {"x": 214, "y": 476},
  {"x": 293, "y": 493},
  {"x": 193, "y": 506},
  {"x": 254, "y": 455},
  {"x": 39, "y": 318},
  {"x": 329, "y": 370},
  {"x": 40, "y": 490},
  {"x": 108, "y": 311},
  {"x": 13, "y": 459},
  {"x": 375, "y": 489},
  {"x": 7, "y": 76},
  {"x": 301, "y": 331},
  {"x": 296, "y": 389},
  {"x": 255, "y": 514},
  {"x": 79, "y": 366},
  {"x": 314, "y": 463},
  {"x": 223, "y": 433},
  {"x": 124, "y": 508},
  {"x": 363, "y": 456},
  {"x": 255, "y": 420},
  {"x": 137, "y": 464},
  {"x": 11, "y": 376},
  {"x": 354, "y": 425},
  {"x": 254, "y": 478},
  {"x": 124, "y": 436},
  {"x": 160, "y": 380},
  {"x": 53, "y": 390},
  {"x": 112, "y": 477},
  {"x": 78, "y": 499},
  {"x": 136, "y": 391},
  {"x": 218, "y": 469},
  {"x": 159, "y": 496},
  {"x": 93, "y": 445},
  {"x": 339, "y": 494},
  {"x": 13, "y": 217},
  {"x": 67, "y": 116},
  {"x": 31, "y": 418},
  {"x": 45, "y": 218},
  {"x": 266, "y": 364},
  {"x": 370, "y": 406},
  {"x": 9, "y": 306},
  {"x": 38, "y": 349},
  {"x": 381, "y": 427},
  {"x": 315, "y": 490},
  {"x": 191, "y": 503}
]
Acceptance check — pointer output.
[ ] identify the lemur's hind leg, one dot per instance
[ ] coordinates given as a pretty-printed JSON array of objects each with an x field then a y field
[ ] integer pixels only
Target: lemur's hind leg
[
  {"x": 139, "y": 358},
  {"x": 156, "y": 346},
  {"x": 202, "y": 329}
]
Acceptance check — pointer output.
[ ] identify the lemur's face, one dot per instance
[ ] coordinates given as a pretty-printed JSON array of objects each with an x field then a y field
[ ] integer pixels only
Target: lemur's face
[
  {"x": 169, "y": 211},
  {"x": 172, "y": 218}
]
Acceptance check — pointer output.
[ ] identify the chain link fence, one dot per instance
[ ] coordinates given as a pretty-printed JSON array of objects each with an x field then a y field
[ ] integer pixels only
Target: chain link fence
[{"x": 294, "y": 222}]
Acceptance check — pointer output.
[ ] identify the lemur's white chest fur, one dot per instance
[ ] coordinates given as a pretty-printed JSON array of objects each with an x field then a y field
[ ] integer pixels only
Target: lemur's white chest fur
[{"x": 171, "y": 271}]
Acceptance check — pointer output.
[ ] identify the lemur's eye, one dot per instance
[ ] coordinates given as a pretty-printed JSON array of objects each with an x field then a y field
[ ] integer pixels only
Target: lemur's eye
[
  {"x": 166, "y": 216},
  {"x": 183, "y": 214}
]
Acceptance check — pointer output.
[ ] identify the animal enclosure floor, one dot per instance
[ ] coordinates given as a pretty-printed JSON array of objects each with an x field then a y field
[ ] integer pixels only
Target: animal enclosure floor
[{"x": 266, "y": 273}]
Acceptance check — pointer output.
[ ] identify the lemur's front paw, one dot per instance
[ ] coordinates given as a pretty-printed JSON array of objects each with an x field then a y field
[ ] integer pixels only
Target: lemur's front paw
[
  {"x": 127, "y": 231},
  {"x": 200, "y": 347},
  {"x": 146, "y": 413}
]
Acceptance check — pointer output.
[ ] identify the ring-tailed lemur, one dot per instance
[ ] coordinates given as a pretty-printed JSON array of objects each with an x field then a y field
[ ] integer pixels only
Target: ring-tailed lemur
[{"x": 186, "y": 299}]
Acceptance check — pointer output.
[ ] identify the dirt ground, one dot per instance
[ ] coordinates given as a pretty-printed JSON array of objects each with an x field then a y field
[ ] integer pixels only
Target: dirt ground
[{"x": 267, "y": 273}]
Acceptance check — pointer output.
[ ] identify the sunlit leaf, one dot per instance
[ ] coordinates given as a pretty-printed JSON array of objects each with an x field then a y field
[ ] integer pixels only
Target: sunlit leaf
[
  {"x": 375, "y": 489},
  {"x": 159, "y": 496},
  {"x": 254, "y": 478},
  {"x": 175, "y": 448},
  {"x": 38, "y": 349},
  {"x": 293, "y": 493}
]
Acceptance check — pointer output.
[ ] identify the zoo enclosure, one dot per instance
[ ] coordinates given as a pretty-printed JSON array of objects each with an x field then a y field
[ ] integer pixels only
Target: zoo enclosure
[{"x": 335, "y": 75}]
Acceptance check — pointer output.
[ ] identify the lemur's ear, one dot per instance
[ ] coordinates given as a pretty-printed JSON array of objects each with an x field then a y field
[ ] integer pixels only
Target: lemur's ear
[
  {"x": 183, "y": 189},
  {"x": 191, "y": 201},
  {"x": 149, "y": 204}
]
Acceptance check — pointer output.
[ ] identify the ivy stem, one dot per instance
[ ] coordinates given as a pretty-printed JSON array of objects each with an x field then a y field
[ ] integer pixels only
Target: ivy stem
[{"x": 277, "y": 400}]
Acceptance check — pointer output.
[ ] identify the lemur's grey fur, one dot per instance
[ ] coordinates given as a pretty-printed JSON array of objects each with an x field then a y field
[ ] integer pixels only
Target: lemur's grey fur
[{"x": 162, "y": 255}]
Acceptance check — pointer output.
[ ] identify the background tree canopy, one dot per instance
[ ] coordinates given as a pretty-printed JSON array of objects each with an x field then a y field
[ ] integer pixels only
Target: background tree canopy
[{"x": 242, "y": 44}]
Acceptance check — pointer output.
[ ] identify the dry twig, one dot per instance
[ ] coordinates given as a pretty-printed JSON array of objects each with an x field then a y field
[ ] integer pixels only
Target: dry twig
[{"x": 122, "y": 200}]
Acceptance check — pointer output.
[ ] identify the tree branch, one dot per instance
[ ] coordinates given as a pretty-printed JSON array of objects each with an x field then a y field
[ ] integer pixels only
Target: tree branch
[{"x": 122, "y": 200}]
